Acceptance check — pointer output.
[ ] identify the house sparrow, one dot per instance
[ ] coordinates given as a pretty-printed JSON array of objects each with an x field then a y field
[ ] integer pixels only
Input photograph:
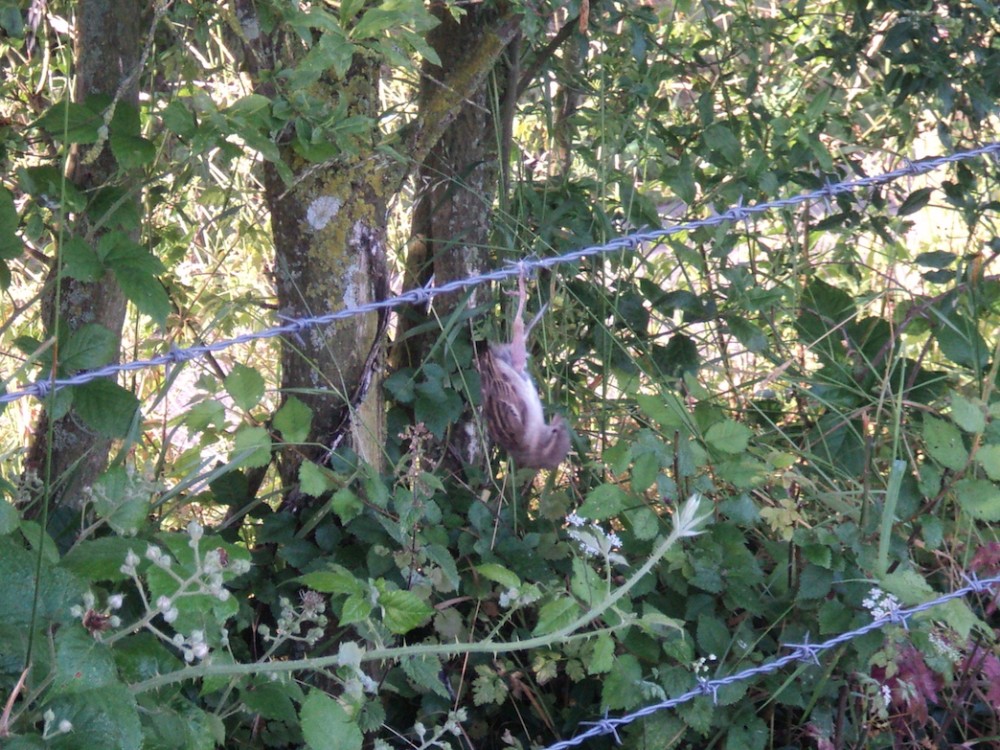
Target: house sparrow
[{"x": 511, "y": 405}]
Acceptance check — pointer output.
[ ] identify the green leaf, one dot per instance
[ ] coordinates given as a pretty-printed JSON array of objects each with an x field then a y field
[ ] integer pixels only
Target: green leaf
[
  {"x": 936, "y": 259},
  {"x": 145, "y": 292},
  {"x": 89, "y": 347},
  {"x": 9, "y": 518},
  {"x": 644, "y": 471},
  {"x": 915, "y": 201},
  {"x": 106, "y": 407},
  {"x": 10, "y": 246},
  {"x": 989, "y": 458},
  {"x": 122, "y": 499},
  {"x": 346, "y": 504},
  {"x": 103, "y": 717},
  {"x": 967, "y": 414},
  {"x": 71, "y": 122},
  {"x": 82, "y": 663},
  {"x": 117, "y": 251},
  {"x": 620, "y": 688},
  {"x": 498, "y": 573},
  {"x": 357, "y": 608},
  {"x": 728, "y": 436},
  {"x": 251, "y": 447},
  {"x": 602, "y": 657},
  {"x": 314, "y": 480},
  {"x": 979, "y": 498},
  {"x": 293, "y": 420},
  {"x": 402, "y": 611},
  {"x": 425, "y": 671},
  {"x": 960, "y": 340},
  {"x": 207, "y": 413},
  {"x": 100, "y": 559},
  {"x": 245, "y": 385},
  {"x": 748, "y": 334},
  {"x": 555, "y": 615},
  {"x": 723, "y": 143},
  {"x": 908, "y": 586},
  {"x": 438, "y": 411},
  {"x": 271, "y": 699},
  {"x": 644, "y": 522},
  {"x": 132, "y": 151},
  {"x": 79, "y": 261},
  {"x": 179, "y": 119},
  {"x": 400, "y": 385},
  {"x": 334, "y": 579},
  {"x": 604, "y": 501},
  {"x": 326, "y": 725},
  {"x": 944, "y": 443},
  {"x": 665, "y": 409}
]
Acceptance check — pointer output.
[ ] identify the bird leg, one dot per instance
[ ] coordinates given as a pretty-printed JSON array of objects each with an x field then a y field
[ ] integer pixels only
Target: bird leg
[{"x": 519, "y": 332}]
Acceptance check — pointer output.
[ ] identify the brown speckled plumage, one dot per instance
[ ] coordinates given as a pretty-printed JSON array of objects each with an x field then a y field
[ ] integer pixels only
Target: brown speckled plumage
[{"x": 512, "y": 407}]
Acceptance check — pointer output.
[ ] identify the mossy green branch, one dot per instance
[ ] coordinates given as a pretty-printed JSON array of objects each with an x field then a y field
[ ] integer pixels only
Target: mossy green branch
[{"x": 442, "y": 108}]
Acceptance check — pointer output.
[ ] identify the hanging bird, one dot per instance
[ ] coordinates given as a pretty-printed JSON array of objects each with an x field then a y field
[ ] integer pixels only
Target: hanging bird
[{"x": 512, "y": 406}]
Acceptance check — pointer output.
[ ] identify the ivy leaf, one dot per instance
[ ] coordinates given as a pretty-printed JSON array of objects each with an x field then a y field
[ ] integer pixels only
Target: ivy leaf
[
  {"x": 326, "y": 725},
  {"x": 245, "y": 385}
]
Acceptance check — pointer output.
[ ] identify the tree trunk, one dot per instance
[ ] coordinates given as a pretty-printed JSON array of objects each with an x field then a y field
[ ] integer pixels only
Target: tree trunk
[
  {"x": 457, "y": 185},
  {"x": 107, "y": 54},
  {"x": 328, "y": 225}
]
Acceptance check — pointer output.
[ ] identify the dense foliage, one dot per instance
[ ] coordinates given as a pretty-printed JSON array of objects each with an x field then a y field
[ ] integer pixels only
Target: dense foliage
[{"x": 812, "y": 392}]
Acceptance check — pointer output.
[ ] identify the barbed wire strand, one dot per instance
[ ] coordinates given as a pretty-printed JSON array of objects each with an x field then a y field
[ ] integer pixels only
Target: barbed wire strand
[
  {"x": 800, "y": 652},
  {"x": 738, "y": 213}
]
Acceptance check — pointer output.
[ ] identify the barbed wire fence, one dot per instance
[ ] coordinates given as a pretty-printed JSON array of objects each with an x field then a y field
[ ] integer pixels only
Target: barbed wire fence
[
  {"x": 739, "y": 213},
  {"x": 799, "y": 652}
]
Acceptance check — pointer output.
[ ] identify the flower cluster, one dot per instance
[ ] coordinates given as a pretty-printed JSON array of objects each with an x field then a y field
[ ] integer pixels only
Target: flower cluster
[
  {"x": 292, "y": 621},
  {"x": 880, "y": 604}
]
